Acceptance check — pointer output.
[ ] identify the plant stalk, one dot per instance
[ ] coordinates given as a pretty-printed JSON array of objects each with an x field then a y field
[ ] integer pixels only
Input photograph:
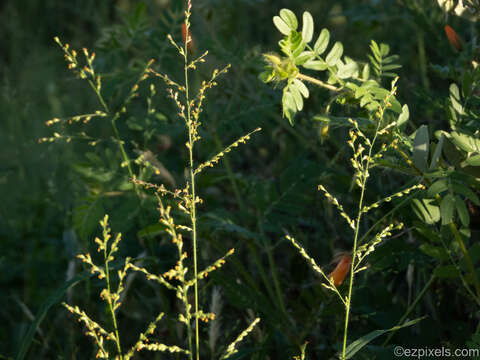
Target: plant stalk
[
  {"x": 318, "y": 82},
  {"x": 109, "y": 298},
  {"x": 192, "y": 208},
  {"x": 357, "y": 230}
]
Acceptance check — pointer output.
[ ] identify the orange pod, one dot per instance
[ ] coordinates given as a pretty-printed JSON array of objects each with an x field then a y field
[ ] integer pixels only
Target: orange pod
[
  {"x": 188, "y": 38},
  {"x": 341, "y": 270},
  {"x": 453, "y": 38}
]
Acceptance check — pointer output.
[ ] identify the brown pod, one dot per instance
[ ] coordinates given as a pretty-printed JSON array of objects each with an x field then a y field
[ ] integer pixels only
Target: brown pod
[{"x": 453, "y": 38}]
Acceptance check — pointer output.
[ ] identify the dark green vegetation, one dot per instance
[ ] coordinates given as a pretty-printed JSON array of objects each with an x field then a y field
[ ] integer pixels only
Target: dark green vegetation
[{"x": 54, "y": 194}]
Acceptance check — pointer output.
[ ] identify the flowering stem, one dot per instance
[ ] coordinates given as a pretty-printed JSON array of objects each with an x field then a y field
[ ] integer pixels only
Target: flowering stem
[
  {"x": 365, "y": 173},
  {"x": 109, "y": 300},
  {"x": 191, "y": 142}
]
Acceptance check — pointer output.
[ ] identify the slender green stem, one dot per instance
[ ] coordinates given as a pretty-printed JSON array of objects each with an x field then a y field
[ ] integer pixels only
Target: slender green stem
[
  {"x": 184, "y": 291},
  {"x": 192, "y": 209},
  {"x": 110, "y": 306},
  {"x": 126, "y": 159},
  {"x": 100, "y": 97},
  {"x": 194, "y": 235},
  {"x": 365, "y": 172}
]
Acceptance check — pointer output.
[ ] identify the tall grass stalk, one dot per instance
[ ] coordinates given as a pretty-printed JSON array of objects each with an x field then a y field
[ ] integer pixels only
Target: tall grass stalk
[
  {"x": 176, "y": 279},
  {"x": 362, "y": 166},
  {"x": 192, "y": 136},
  {"x": 366, "y": 152}
]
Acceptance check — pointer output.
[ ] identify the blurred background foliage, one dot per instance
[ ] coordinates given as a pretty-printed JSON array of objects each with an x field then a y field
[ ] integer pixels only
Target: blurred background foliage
[{"x": 54, "y": 194}]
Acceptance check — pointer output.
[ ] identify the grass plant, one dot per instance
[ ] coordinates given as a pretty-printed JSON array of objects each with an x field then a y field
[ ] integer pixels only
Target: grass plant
[{"x": 176, "y": 279}]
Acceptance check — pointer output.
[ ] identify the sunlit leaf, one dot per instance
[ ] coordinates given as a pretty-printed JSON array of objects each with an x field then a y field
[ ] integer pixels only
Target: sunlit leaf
[
  {"x": 403, "y": 117},
  {"x": 297, "y": 96},
  {"x": 281, "y": 25},
  {"x": 289, "y": 18},
  {"x": 301, "y": 87},
  {"x": 455, "y": 99},
  {"x": 335, "y": 54},
  {"x": 307, "y": 29},
  {"x": 426, "y": 210},
  {"x": 319, "y": 65},
  {"x": 322, "y": 42}
]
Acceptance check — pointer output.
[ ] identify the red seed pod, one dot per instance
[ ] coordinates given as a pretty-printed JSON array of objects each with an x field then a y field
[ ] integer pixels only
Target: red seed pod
[
  {"x": 188, "y": 38},
  {"x": 453, "y": 38},
  {"x": 341, "y": 270}
]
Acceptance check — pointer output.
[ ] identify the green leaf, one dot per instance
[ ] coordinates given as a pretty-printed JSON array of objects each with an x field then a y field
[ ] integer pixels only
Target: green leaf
[
  {"x": 403, "y": 117},
  {"x": 289, "y": 106},
  {"x": 437, "y": 187},
  {"x": 347, "y": 70},
  {"x": 462, "y": 211},
  {"x": 375, "y": 63},
  {"x": 335, "y": 54},
  {"x": 297, "y": 43},
  {"x": 465, "y": 141},
  {"x": 322, "y": 42},
  {"x": 319, "y": 65},
  {"x": 391, "y": 67},
  {"x": 420, "y": 148},
  {"x": 375, "y": 50},
  {"x": 307, "y": 29},
  {"x": 473, "y": 160},
  {"x": 447, "y": 208},
  {"x": 358, "y": 344},
  {"x": 455, "y": 99},
  {"x": 281, "y": 25},
  {"x": 289, "y": 18},
  {"x": 465, "y": 191},
  {"x": 437, "y": 152},
  {"x": 267, "y": 76},
  {"x": 426, "y": 210},
  {"x": 297, "y": 96},
  {"x": 302, "y": 88},
  {"x": 391, "y": 59},
  {"x": 304, "y": 57},
  {"x": 452, "y": 153},
  {"x": 366, "y": 72},
  {"x": 384, "y": 50}
]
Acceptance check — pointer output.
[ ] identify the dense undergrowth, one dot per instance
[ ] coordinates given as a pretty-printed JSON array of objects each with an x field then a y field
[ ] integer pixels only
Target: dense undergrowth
[{"x": 391, "y": 141}]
